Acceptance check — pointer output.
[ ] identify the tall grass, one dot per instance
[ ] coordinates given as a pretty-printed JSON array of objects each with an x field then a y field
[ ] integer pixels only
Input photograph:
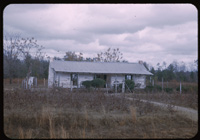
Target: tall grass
[
  {"x": 86, "y": 115},
  {"x": 21, "y": 133},
  {"x": 133, "y": 114},
  {"x": 51, "y": 128}
]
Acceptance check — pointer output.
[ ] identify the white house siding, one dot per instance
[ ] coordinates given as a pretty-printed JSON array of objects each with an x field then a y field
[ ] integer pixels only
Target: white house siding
[
  {"x": 141, "y": 79},
  {"x": 118, "y": 77},
  {"x": 50, "y": 77},
  {"x": 63, "y": 79}
]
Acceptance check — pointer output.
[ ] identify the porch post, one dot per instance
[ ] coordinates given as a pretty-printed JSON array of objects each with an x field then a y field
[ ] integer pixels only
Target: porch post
[{"x": 123, "y": 87}]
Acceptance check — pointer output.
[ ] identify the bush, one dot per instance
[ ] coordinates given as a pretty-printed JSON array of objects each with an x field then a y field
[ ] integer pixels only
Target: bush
[
  {"x": 87, "y": 84},
  {"x": 97, "y": 83},
  {"x": 168, "y": 90},
  {"x": 130, "y": 84},
  {"x": 149, "y": 88},
  {"x": 158, "y": 88},
  {"x": 184, "y": 89}
]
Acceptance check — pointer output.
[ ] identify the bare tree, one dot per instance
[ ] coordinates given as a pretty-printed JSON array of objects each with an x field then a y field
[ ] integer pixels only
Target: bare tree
[
  {"x": 72, "y": 56},
  {"x": 16, "y": 48},
  {"x": 11, "y": 51},
  {"x": 113, "y": 55}
]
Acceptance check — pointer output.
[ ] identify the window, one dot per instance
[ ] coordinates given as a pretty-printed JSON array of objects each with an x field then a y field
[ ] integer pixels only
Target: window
[
  {"x": 128, "y": 77},
  {"x": 97, "y": 76}
]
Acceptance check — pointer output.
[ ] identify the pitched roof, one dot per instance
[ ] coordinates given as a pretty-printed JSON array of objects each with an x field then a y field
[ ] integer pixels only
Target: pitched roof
[{"x": 99, "y": 67}]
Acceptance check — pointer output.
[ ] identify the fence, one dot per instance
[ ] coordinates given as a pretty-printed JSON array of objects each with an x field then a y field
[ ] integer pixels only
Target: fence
[
  {"x": 17, "y": 83},
  {"x": 173, "y": 86}
]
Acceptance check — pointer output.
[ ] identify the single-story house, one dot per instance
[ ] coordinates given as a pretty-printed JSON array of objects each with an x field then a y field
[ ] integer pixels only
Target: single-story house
[{"x": 69, "y": 74}]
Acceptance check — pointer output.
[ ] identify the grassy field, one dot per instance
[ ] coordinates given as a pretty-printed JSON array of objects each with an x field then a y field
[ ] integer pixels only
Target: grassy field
[
  {"x": 79, "y": 114},
  {"x": 184, "y": 100}
]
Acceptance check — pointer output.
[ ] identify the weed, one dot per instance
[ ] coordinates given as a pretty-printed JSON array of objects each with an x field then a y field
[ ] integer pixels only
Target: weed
[{"x": 133, "y": 114}]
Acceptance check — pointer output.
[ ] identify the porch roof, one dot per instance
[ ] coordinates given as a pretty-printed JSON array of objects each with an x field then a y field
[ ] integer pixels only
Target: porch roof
[{"x": 99, "y": 67}]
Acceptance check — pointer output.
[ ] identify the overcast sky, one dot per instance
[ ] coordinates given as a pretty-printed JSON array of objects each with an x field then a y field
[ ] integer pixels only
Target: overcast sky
[{"x": 150, "y": 32}]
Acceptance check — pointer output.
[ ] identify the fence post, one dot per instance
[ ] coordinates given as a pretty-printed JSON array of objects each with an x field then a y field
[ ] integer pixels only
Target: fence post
[
  {"x": 71, "y": 85},
  {"x": 59, "y": 81},
  {"x": 18, "y": 81},
  {"x": 123, "y": 87},
  {"x": 26, "y": 84},
  {"x": 36, "y": 81},
  {"x": 150, "y": 79},
  {"x": 153, "y": 82},
  {"x": 22, "y": 83},
  {"x": 115, "y": 88},
  {"x": 44, "y": 82},
  {"x": 180, "y": 87},
  {"x": 107, "y": 88},
  {"x": 162, "y": 84}
]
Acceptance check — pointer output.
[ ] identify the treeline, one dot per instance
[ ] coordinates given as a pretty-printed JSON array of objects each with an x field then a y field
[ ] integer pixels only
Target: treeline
[
  {"x": 23, "y": 57},
  {"x": 174, "y": 72},
  {"x": 19, "y": 69}
]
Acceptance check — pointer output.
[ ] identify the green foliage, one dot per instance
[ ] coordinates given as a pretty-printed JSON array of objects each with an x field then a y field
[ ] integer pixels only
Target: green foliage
[
  {"x": 168, "y": 90},
  {"x": 183, "y": 89},
  {"x": 149, "y": 88},
  {"x": 158, "y": 88},
  {"x": 97, "y": 83},
  {"x": 130, "y": 84},
  {"x": 87, "y": 84},
  {"x": 155, "y": 88}
]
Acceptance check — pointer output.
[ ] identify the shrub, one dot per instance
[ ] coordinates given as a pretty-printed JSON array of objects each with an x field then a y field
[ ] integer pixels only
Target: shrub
[
  {"x": 97, "y": 83},
  {"x": 184, "y": 89},
  {"x": 87, "y": 84},
  {"x": 130, "y": 84},
  {"x": 168, "y": 90},
  {"x": 158, "y": 88},
  {"x": 149, "y": 88}
]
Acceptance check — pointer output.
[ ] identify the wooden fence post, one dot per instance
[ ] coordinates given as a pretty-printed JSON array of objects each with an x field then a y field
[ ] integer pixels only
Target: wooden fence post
[
  {"x": 115, "y": 88},
  {"x": 18, "y": 81},
  {"x": 180, "y": 87},
  {"x": 123, "y": 87},
  {"x": 71, "y": 85},
  {"x": 44, "y": 82},
  {"x": 26, "y": 84},
  {"x": 59, "y": 81},
  {"x": 162, "y": 84},
  {"x": 36, "y": 82},
  {"x": 106, "y": 88},
  {"x": 22, "y": 83}
]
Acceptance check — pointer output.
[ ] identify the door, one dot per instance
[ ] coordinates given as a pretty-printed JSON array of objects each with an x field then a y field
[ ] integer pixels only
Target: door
[{"x": 74, "y": 79}]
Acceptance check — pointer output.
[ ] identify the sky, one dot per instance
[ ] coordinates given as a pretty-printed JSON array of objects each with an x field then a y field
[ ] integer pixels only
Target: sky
[{"x": 153, "y": 33}]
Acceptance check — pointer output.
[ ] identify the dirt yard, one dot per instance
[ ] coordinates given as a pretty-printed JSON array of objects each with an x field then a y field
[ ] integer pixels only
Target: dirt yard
[{"x": 62, "y": 114}]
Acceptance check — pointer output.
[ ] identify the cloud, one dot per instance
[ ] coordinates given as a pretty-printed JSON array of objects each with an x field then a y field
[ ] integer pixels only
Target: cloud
[{"x": 149, "y": 32}]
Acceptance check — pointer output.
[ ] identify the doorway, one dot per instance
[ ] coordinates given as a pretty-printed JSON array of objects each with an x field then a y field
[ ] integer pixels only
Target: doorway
[{"x": 74, "y": 79}]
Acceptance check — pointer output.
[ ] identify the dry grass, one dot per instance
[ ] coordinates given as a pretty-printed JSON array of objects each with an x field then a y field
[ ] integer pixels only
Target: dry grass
[
  {"x": 189, "y": 100},
  {"x": 88, "y": 115},
  {"x": 133, "y": 114}
]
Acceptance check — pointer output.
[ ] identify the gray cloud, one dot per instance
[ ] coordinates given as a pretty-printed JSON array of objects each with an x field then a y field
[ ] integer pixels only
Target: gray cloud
[{"x": 153, "y": 33}]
